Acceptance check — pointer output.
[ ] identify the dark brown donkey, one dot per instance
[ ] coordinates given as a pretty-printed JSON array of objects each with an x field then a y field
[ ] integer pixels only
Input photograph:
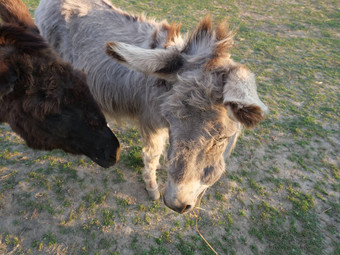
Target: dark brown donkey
[{"x": 45, "y": 100}]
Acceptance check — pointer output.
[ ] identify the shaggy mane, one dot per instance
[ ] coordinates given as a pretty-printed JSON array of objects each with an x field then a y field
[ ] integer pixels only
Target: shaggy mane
[
  {"x": 202, "y": 33},
  {"x": 224, "y": 38},
  {"x": 216, "y": 43},
  {"x": 173, "y": 33}
]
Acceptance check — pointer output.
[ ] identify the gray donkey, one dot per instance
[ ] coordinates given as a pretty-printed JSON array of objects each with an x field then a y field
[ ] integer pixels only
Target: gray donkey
[{"x": 186, "y": 90}]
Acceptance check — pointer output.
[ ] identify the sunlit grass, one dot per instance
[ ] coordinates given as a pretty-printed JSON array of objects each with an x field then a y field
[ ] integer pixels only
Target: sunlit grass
[{"x": 280, "y": 193}]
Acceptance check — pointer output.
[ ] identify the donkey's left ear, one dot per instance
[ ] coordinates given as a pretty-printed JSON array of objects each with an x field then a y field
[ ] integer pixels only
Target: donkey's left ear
[
  {"x": 163, "y": 63},
  {"x": 240, "y": 97}
]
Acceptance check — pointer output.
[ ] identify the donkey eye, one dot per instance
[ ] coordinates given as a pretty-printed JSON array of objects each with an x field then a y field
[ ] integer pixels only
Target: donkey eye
[
  {"x": 208, "y": 171},
  {"x": 222, "y": 138},
  {"x": 207, "y": 174}
]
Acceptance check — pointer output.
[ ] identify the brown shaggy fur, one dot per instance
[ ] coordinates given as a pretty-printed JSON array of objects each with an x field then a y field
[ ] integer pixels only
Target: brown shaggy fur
[
  {"x": 43, "y": 98},
  {"x": 250, "y": 116},
  {"x": 224, "y": 38},
  {"x": 21, "y": 39},
  {"x": 173, "y": 32},
  {"x": 15, "y": 13}
]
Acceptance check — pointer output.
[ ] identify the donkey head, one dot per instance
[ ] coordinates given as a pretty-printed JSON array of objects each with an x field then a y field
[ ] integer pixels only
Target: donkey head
[
  {"x": 210, "y": 99},
  {"x": 47, "y": 102}
]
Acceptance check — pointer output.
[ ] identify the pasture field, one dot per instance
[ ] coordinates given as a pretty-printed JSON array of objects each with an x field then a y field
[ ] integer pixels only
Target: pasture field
[{"x": 280, "y": 193}]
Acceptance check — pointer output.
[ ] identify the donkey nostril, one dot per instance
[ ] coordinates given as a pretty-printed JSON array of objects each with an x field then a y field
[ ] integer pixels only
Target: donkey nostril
[{"x": 187, "y": 208}]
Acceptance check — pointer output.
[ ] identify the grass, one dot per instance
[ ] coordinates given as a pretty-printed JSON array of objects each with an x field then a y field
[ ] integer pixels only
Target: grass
[{"x": 281, "y": 190}]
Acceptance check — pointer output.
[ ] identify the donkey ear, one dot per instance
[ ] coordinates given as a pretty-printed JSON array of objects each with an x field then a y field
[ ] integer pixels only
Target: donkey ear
[
  {"x": 163, "y": 63},
  {"x": 240, "y": 97},
  {"x": 8, "y": 78}
]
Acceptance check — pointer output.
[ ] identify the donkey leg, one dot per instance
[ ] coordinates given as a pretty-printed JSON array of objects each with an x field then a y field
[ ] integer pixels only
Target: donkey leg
[{"x": 152, "y": 150}]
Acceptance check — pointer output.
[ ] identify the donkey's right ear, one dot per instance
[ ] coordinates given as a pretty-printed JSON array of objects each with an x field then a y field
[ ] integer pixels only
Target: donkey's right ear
[
  {"x": 8, "y": 77},
  {"x": 163, "y": 63}
]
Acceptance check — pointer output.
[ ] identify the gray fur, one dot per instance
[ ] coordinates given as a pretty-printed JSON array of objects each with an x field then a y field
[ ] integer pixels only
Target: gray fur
[{"x": 171, "y": 90}]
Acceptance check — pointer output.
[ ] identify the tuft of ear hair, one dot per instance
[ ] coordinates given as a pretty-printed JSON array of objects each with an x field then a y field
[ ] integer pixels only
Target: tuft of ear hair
[
  {"x": 205, "y": 26},
  {"x": 203, "y": 31},
  {"x": 224, "y": 41},
  {"x": 173, "y": 33},
  {"x": 110, "y": 51},
  {"x": 250, "y": 115}
]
